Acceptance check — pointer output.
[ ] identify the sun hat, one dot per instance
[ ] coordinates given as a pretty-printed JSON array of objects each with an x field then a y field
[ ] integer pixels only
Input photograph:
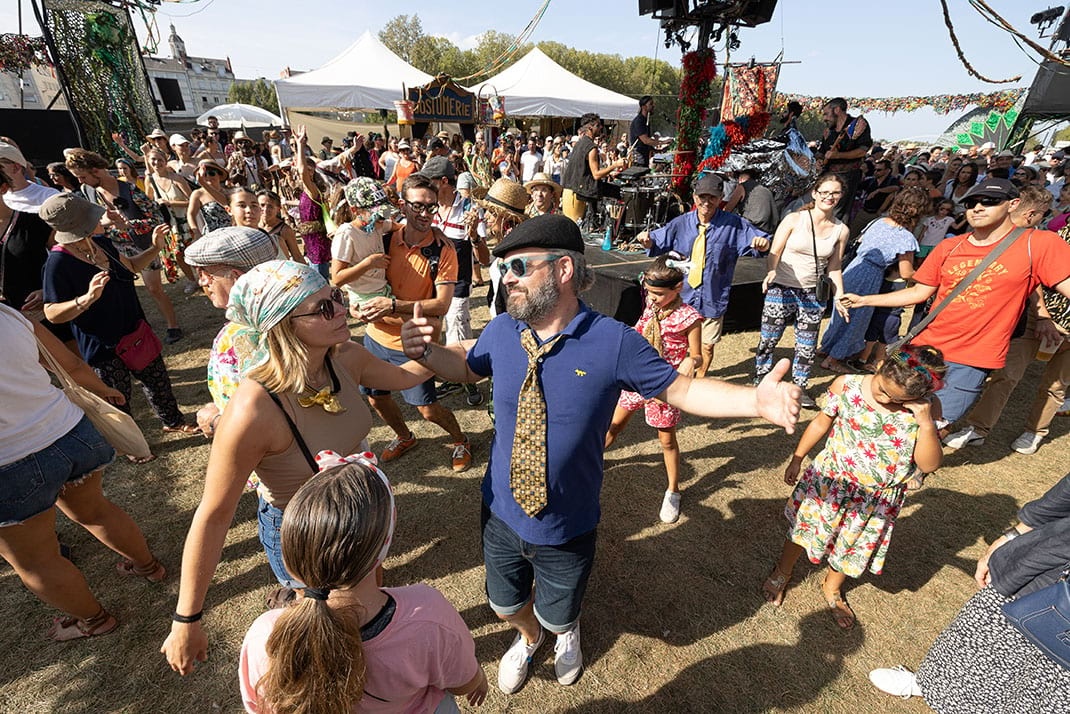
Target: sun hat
[
  {"x": 177, "y": 139},
  {"x": 543, "y": 179},
  {"x": 403, "y": 145},
  {"x": 508, "y": 196},
  {"x": 12, "y": 154},
  {"x": 156, "y": 134},
  {"x": 239, "y": 246},
  {"x": 552, "y": 232},
  {"x": 240, "y": 135},
  {"x": 211, "y": 163},
  {"x": 71, "y": 216}
]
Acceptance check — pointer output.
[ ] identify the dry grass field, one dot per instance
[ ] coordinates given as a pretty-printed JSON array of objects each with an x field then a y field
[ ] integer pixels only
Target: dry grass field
[{"x": 673, "y": 621}]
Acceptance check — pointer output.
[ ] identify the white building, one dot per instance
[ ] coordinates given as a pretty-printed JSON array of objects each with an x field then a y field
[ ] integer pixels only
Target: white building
[
  {"x": 185, "y": 87},
  {"x": 39, "y": 88}
]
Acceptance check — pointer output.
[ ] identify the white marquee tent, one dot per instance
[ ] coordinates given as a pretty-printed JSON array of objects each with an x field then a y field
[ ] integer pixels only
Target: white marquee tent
[
  {"x": 537, "y": 86},
  {"x": 367, "y": 75}
]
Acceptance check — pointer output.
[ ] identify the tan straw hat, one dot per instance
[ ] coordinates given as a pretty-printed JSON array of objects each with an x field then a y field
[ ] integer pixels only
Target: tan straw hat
[
  {"x": 543, "y": 179},
  {"x": 508, "y": 196}
]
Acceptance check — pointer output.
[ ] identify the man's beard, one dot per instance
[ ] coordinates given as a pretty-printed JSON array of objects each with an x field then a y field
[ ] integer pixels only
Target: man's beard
[{"x": 534, "y": 305}]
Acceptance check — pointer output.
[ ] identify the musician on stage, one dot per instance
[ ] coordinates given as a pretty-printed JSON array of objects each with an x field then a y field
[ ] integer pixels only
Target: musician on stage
[
  {"x": 713, "y": 240},
  {"x": 584, "y": 169},
  {"x": 641, "y": 144},
  {"x": 843, "y": 148}
]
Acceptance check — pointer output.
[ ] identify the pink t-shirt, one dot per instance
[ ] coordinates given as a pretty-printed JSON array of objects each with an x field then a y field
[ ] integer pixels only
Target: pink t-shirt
[{"x": 425, "y": 650}]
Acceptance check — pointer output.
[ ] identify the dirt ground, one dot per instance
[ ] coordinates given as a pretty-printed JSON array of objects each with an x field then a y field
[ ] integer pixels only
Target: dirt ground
[{"x": 672, "y": 619}]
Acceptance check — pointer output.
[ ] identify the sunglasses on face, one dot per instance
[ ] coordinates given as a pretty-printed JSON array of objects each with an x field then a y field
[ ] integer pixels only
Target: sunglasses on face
[
  {"x": 419, "y": 208},
  {"x": 326, "y": 308},
  {"x": 519, "y": 266},
  {"x": 213, "y": 172},
  {"x": 988, "y": 201}
]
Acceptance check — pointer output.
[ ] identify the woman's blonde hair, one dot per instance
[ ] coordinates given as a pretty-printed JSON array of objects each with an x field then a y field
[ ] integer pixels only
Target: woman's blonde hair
[
  {"x": 332, "y": 533},
  {"x": 287, "y": 365}
]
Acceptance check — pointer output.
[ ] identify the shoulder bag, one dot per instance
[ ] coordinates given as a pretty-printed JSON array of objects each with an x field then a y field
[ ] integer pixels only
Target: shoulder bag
[
  {"x": 116, "y": 426},
  {"x": 959, "y": 289},
  {"x": 824, "y": 286},
  {"x": 1043, "y": 618},
  {"x": 138, "y": 349}
]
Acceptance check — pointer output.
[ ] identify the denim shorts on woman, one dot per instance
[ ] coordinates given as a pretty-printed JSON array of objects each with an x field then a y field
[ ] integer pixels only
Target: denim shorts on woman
[
  {"x": 30, "y": 486},
  {"x": 268, "y": 527},
  {"x": 558, "y": 573}
]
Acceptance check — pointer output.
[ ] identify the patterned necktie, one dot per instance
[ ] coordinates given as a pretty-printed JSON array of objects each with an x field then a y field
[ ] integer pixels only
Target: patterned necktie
[
  {"x": 527, "y": 468},
  {"x": 698, "y": 258}
]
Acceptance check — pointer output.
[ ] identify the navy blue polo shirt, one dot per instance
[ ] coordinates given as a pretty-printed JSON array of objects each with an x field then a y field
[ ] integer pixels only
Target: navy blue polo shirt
[{"x": 581, "y": 379}]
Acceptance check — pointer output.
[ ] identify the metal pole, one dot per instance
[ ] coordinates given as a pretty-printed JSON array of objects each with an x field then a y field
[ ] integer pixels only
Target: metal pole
[{"x": 22, "y": 72}]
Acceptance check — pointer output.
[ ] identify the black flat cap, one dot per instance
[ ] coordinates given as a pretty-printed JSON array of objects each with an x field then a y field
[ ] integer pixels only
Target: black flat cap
[{"x": 552, "y": 232}]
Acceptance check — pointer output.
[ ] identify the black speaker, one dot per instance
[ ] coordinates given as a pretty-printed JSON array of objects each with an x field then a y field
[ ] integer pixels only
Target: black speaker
[
  {"x": 647, "y": 7},
  {"x": 758, "y": 12}
]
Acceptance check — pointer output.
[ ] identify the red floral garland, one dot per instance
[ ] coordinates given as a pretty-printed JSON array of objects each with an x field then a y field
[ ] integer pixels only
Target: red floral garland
[
  {"x": 695, "y": 95},
  {"x": 21, "y": 52}
]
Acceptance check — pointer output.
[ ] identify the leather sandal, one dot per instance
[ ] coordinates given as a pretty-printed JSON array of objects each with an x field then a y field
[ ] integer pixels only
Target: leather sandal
[
  {"x": 154, "y": 572},
  {"x": 774, "y": 586},
  {"x": 69, "y": 628},
  {"x": 183, "y": 429},
  {"x": 838, "y": 607}
]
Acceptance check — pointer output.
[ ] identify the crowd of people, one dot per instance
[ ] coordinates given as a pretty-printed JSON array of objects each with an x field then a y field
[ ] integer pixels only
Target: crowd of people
[{"x": 293, "y": 242}]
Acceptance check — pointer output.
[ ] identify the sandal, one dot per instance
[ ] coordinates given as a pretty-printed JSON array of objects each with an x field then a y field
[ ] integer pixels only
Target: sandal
[
  {"x": 916, "y": 480},
  {"x": 183, "y": 429},
  {"x": 140, "y": 459},
  {"x": 841, "y": 611},
  {"x": 154, "y": 572},
  {"x": 774, "y": 586},
  {"x": 69, "y": 628},
  {"x": 281, "y": 597}
]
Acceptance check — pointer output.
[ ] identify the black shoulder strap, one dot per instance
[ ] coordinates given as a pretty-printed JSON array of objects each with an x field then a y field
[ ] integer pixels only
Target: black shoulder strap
[
  {"x": 297, "y": 434},
  {"x": 960, "y": 288}
]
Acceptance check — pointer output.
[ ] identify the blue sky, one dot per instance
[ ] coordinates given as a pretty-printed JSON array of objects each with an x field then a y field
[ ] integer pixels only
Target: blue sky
[{"x": 859, "y": 47}]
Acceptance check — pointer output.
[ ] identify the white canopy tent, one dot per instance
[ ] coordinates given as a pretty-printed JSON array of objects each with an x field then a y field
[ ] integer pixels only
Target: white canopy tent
[
  {"x": 367, "y": 75},
  {"x": 537, "y": 86},
  {"x": 238, "y": 116}
]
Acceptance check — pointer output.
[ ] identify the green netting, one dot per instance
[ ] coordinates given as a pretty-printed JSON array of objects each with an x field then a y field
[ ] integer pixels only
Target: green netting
[{"x": 94, "y": 47}]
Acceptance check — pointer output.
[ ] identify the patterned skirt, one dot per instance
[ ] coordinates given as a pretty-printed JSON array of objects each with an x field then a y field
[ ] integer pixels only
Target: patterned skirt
[{"x": 980, "y": 663}]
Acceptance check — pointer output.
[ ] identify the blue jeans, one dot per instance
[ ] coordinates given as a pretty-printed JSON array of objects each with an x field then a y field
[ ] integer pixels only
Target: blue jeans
[
  {"x": 323, "y": 269},
  {"x": 30, "y": 486},
  {"x": 421, "y": 395},
  {"x": 268, "y": 527},
  {"x": 962, "y": 386},
  {"x": 558, "y": 574}
]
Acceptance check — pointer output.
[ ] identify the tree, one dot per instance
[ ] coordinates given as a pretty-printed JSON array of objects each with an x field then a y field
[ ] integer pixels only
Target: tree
[
  {"x": 437, "y": 55},
  {"x": 401, "y": 35},
  {"x": 259, "y": 93}
]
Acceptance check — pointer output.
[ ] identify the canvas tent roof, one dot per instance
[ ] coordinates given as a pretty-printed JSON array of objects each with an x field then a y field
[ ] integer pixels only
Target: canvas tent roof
[
  {"x": 537, "y": 86},
  {"x": 367, "y": 75}
]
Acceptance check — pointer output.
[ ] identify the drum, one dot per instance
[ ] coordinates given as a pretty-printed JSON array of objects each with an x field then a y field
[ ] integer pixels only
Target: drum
[{"x": 638, "y": 205}]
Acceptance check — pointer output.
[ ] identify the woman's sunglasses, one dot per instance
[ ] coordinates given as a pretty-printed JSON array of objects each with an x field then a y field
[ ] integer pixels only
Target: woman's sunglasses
[
  {"x": 326, "y": 308},
  {"x": 519, "y": 266}
]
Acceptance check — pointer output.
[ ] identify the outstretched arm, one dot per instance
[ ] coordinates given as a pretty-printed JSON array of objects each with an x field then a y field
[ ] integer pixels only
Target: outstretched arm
[{"x": 773, "y": 400}]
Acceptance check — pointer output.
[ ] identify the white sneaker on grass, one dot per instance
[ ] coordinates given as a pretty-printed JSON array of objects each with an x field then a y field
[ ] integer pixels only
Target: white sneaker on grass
[
  {"x": 964, "y": 437},
  {"x": 568, "y": 659},
  {"x": 670, "y": 507},
  {"x": 1027, "y": 443},
  {"x": 897, "y": 681},
  {"x": 513, "y": 667}
]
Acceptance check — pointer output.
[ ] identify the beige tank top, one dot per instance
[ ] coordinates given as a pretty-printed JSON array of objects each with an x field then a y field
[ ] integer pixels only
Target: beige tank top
[
  {"x": 281, "y": 474},
  {"x": 797, "y": 267}
]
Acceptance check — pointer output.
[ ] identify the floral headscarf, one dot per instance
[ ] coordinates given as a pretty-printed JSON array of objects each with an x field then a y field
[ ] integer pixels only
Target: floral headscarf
[{"x": 261, "y": 298}]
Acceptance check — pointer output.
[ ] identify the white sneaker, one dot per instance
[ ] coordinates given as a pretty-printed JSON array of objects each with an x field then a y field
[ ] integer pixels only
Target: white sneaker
[
  {"x": 568, "y": 660},
  {"x": 513, "y": 668},
  {"x": 965, "y": 437},
  {"x": 897, "y": 681},
  {"x": 670, "y": 507},
  {"x": 1027, "y": 443}
]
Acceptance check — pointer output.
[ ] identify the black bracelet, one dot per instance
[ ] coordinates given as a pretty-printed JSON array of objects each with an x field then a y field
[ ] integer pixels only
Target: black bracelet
[
  {"x": 187, "y": 619},
  {"x": 393, "y": 306}
]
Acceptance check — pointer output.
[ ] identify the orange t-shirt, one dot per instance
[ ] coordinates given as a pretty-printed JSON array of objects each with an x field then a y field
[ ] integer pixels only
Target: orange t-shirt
[
  {"x": 409, "y": 276},
  {"x": 976, "y": 328},
  {"x": 402, "y": 169}
]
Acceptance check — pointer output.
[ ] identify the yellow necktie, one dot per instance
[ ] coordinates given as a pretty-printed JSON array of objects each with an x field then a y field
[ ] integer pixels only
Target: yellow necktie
[
  {"x": 527, "y": 467},
  {"x": 698, "y": 258}
]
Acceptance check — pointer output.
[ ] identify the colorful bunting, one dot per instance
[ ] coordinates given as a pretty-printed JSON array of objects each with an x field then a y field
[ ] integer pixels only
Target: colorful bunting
[{"x": 940, "y": 103}]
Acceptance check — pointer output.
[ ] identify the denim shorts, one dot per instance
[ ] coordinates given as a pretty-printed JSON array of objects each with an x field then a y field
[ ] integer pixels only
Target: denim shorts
[
  {"x": 419, "y": 396},
  {"x": 962, "y": 386},
  {"x": 30, "y": 486},
  {"x": 558, "y": 573},
  {"x": 268, "y": 527}
]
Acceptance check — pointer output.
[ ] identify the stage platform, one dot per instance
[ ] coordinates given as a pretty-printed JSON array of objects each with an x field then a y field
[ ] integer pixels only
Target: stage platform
[{"x": 616, "y": 289}]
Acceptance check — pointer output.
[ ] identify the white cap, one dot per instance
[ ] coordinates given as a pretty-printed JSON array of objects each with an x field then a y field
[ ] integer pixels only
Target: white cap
[
  {"x": 177, "y": 139},
  {"x": 12, "y": 154}
]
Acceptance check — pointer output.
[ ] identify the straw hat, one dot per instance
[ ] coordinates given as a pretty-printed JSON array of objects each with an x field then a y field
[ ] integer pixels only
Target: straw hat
[
  {"x": 240, "y": 136},
  {"x": 542, "y": 179},
  {"x": 508, "y": 196}
]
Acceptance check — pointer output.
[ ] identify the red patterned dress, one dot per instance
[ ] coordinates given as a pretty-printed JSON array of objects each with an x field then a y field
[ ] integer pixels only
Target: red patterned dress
[{"x": 674, "y": 329}]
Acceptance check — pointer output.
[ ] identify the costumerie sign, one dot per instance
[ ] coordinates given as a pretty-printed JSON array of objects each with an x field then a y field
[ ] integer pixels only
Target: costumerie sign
[{"x": 442, "y": 100}]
